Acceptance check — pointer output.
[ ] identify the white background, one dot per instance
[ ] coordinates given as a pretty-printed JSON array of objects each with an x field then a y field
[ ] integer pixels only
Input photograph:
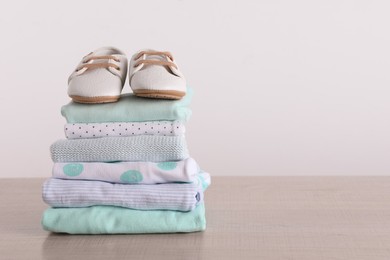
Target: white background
[{"x": 282, "y": 87}]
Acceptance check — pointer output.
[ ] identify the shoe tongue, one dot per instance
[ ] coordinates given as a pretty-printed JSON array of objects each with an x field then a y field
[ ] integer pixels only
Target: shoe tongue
[
  {"x": 105, "y": 51},
  {"x": 101, "y": 53},
  {"x": 155, "y": 57}
]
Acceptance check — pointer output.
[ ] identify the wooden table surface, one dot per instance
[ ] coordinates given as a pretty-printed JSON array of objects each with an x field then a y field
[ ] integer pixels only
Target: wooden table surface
[{"x": 247, "y": 218}]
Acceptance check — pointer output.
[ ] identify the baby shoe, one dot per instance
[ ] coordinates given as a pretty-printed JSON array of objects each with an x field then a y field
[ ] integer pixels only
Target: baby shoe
[
  {"x": 154, "y": 74},
  {"x": 99, "y": 77}
]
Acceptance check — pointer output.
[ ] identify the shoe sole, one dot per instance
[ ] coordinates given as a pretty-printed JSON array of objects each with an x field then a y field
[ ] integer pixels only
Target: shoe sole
[
  {"x": 95, "y": 100},
  {"x": 160, "y": 94}
]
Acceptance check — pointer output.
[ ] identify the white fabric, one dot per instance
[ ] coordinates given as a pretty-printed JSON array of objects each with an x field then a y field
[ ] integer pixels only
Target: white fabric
[
  {"x": 129, "y": 172},
  {"x": 155, "y": 77},
  {"x": 101, "y": 81},
  {"x": 95, "y": 130},
  {"x": 79, "y": 193}
]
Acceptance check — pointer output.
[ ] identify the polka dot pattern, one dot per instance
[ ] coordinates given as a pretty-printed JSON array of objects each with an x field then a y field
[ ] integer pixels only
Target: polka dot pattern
[
  {"x": 94, "y": 130},
  {"x": 131, "y": 176},
  {"x": 167, "y": 166},
  {"x": 140, "y": 172},
  {"x": 73, "y": 169}
]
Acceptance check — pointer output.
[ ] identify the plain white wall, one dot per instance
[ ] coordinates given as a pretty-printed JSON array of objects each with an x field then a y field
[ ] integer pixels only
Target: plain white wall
[{"x": 282, "y": 87}]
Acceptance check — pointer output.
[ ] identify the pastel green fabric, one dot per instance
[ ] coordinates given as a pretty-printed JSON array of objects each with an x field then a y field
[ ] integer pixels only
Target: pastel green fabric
[
  {"x": 130, "y": 108},
  {"x": 117, "y": 220},
  {"x": 147, "y": 148}
]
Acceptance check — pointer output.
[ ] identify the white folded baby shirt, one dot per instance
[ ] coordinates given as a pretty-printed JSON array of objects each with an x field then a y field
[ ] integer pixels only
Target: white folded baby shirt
[
  {"x": 114, "y": 129},
  {"x": 129, "y": 172}
]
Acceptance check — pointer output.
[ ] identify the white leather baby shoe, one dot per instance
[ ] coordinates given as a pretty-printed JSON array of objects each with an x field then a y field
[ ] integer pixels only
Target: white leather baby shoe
[
  {"x": 154, "y": 74},
  {"x": 99, "y": 77}
]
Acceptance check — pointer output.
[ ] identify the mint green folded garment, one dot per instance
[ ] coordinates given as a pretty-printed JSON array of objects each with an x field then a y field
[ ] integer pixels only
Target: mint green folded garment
[
  {"x": 117, "y": 220},
  {"x": 147, "y": 148},
  {"x": 130, "y": 108}
]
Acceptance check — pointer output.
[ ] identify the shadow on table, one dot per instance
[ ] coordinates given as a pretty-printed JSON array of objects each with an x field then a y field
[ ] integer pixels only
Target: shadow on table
[{"x": 140, "y": 246}]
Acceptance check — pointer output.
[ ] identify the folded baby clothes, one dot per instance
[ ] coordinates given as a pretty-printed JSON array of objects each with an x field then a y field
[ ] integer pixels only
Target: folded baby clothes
[
  {"x": 130, "y": 108},
  {"x": 79, "y": 193},
  {"x": 124, "y": 168},
  {"x": 129, "y": 172},
  {"x": 95, "y": 130},
  {"x": 131, "y": 148},
  {"x": 117, "y": 220}
]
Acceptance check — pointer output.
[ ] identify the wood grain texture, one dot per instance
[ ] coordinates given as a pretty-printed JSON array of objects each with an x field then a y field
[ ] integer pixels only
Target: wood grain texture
[{"x": 247, "y": 218}]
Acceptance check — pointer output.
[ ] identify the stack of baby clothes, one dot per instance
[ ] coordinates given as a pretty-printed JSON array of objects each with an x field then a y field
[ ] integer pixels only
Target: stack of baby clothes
[{"x": 125, "y": 168}]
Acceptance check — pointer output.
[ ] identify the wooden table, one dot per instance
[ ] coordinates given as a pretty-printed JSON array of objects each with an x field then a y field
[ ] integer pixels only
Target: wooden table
[{"x": 247, "y": 218}]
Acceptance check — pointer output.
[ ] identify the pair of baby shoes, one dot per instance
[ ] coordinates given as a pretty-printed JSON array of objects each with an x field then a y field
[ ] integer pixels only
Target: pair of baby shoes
[{"x": 101, "y": 75}]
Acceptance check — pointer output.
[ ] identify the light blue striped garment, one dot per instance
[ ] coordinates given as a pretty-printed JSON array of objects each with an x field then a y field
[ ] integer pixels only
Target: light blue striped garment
[{"x": 80, "y": 193}]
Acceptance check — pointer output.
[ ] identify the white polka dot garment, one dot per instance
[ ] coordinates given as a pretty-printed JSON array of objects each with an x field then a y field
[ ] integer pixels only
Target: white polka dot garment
[
  {"x": 113, "y": 129},
  {"x": 131, "y": 172}
]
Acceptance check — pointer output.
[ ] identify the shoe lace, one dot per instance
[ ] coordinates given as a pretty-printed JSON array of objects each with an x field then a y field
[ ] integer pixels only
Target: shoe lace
[
  {"x": 104, "y": 65},
  {"x": 155, "y": 62}
]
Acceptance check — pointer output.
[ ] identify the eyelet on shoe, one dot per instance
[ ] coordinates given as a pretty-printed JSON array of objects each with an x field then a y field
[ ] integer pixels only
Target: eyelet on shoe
[{"x": 118, "y": 69}]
